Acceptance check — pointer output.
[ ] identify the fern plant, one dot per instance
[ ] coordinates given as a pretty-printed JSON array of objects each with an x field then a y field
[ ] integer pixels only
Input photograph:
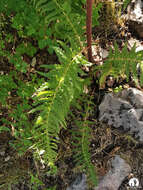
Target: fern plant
[
  {"x": 81, "y": 140},
  {"x": 122, "y": 63},
  {"x": 53, "y": 100},
  {"x": 57, "y": 11},
  {"x": 45, "y": 21}
]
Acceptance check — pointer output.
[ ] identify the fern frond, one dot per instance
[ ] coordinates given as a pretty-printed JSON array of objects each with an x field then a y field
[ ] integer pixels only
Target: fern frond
[
  {"x": 81, "y": 143},
  {"x": 121, "y": 63},
  {"x": 54, "y": 99},
  {"x": 57, "y": 11}
]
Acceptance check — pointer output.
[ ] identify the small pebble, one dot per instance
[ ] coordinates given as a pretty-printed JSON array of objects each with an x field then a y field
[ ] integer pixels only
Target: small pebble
[{"x": 7, "y": 158}]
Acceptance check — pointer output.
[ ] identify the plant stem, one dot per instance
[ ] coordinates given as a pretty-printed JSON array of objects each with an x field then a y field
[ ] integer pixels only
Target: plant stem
[{"x": 89, "y": 28}]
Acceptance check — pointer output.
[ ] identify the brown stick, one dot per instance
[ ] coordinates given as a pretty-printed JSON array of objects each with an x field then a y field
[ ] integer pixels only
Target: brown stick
[{"x": 89, "y": 28}]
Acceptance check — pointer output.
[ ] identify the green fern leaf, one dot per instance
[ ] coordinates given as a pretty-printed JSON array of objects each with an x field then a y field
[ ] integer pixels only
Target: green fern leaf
[
  {"x": 55, "y": 12},
  {"x": 81, "y": 144},
  {"x": 121, "y": 63},
  {"x": 54, "y": 99}
]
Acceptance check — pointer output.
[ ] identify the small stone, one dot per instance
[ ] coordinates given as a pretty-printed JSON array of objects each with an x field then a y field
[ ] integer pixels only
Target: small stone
[
  {"x": 7, "y": 158},
  {"x": 2, "y": 153},
  {"x": 114, "y": 177},
  {"x": 135, "y": 17},
  {"x": 79, "y": 183},
  {"x": 140, "y": 48}
]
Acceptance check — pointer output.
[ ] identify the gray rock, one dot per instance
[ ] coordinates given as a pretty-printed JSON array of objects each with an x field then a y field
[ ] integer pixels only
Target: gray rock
[
  {"x": 114, "y": 177},
  {"x": 2, "y": 150},
  {"x": 2, "y": 153},
  {"x": 79, "y": 183},
  {"x": 7, "y": 158},
  {"x": 124, "y": 110},
  {"x": 135, "y": 17}
]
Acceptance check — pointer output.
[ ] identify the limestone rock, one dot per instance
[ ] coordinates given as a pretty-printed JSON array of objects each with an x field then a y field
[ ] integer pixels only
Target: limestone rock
[
  {"x": 79, "y": 183},
  {"x": 135, "y": 17},
  {"x": 113, "y": 179},
  {"x": 124, "y": 111}
]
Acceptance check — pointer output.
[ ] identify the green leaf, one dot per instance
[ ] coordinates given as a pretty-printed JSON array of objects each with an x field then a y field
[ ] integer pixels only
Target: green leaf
[
  {"x": 125, "y": 3},
  {"x": 42, "y": 43},
  {"x": 67, "y": 6},
  {"x": 2, "y": 128},
  {"x": 30, "y": 30}
]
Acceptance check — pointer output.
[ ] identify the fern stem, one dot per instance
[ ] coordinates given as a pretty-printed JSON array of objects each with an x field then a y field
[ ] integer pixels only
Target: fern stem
[{"x": 89, "y": 28}]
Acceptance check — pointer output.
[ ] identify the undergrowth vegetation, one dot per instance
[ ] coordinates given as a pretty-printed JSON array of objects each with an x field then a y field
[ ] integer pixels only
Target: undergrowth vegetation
[{"x": 38, "y": 98}]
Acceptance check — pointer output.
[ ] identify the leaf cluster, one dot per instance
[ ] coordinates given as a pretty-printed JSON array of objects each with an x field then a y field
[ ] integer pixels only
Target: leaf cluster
[{"x": 122, "y": 63}]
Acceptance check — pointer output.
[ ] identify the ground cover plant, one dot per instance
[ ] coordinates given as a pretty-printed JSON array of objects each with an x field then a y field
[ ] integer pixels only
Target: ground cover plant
[{"x": 37, "y": 98}]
